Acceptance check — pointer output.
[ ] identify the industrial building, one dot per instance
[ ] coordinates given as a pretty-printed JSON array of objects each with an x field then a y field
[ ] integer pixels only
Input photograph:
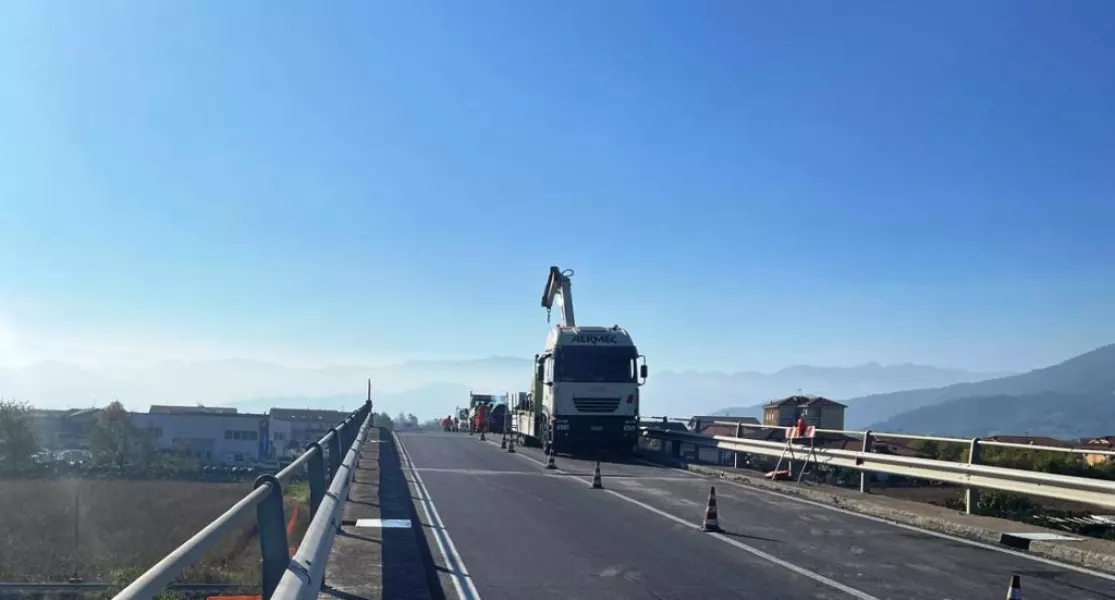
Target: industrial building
[
  {"x": 209, "y": 437},
  {"x": 219, "y": 435},
  {"x": 304, "y": 425}
]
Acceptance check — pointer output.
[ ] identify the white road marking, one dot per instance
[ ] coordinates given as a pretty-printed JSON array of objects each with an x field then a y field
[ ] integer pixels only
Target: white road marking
[
  {"x": 487, "y": 472},
  {"x": 853, "y": 592},
  {"x": 937, "y": 534},
  {"x": 384, "y": 523},
  {"x": 913, "y": 528},
  {"x": 462, "y": 581}
]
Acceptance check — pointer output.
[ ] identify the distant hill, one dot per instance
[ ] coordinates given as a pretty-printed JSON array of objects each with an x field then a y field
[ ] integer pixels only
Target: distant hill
[
  {"x": 424, "y": 402},
  {"x": 1055, "y": 414},
  {"x": 251, "y": 385},
  {"x": 1079, "y": 382},
  {"x": 430, "y": 388},
  {"x": 742, "y": 394}
]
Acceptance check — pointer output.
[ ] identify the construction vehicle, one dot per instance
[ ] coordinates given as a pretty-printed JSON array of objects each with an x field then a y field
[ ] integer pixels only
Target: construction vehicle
[
  {"x": 497, "y": 418},
  {"x": 584, "y": 395}
]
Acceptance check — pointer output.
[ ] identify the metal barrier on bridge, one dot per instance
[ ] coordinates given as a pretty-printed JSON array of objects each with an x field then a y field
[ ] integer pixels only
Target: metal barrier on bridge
[
  {"x": 339, "y": 448},
  {"x": 970, "y": 474},
  {"x": 304, "y": 574}
]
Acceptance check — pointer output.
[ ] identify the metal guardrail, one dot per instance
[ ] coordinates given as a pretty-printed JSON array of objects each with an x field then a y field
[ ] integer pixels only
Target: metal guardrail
[
  {"x": 267, "y": 500},
  {"x": 304, "y": 575},
  {"x": 970, "y": 474}
]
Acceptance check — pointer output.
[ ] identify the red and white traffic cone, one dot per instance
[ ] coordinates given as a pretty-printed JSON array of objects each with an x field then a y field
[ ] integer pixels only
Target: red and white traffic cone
[
  {"x": 712, "y": 520},
  {"x": 597, "y": 484},
  {"x": 550, "y": 459},
  {"x": 1014, "y": 592},
  {"x": 511, "y": 443}
]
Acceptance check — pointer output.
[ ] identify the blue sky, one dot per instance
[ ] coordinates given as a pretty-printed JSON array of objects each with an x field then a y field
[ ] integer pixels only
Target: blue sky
[{"x": 741, "y": 184}]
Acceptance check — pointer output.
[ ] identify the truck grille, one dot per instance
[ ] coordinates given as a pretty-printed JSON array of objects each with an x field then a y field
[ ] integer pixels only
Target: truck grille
[{"x": 596, "y": 405}]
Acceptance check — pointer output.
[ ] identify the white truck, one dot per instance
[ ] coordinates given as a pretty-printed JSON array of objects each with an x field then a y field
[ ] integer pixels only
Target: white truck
[{"x": 584, "y": 396}]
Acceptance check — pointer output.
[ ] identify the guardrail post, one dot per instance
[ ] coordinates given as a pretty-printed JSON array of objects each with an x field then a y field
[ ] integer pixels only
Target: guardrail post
[
  {"x": 865, "y": 476},
  {"x": 971, "y": 494},
  {"x": 739, "y": 432},
  {"x": 345, "y": 430},
  {"x": 315, "y": 473},
  {"x": 272, "y": 535},
  {"x": 334, "y": 453}
]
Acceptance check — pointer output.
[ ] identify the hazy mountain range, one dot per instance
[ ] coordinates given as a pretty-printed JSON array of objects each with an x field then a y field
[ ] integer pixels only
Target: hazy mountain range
[
  {"x": 1073, "y": 398},
  {"x": 744, "y": 392},
  {"x": 428, "y": 388}
]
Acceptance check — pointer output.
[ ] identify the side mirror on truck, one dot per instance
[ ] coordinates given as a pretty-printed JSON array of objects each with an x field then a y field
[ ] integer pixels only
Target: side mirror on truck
[{"x": 642, "y": 371}]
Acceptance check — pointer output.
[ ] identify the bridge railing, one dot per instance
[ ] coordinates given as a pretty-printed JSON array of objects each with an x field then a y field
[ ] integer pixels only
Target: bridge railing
[
  {"x": 304, "y": 573},
  {"x": 970, "y": 474},
  {"x": 324, "y": 461}
]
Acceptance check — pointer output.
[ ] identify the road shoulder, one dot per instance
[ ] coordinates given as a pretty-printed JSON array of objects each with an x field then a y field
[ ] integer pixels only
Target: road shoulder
[{"x": 381, "y": 550}]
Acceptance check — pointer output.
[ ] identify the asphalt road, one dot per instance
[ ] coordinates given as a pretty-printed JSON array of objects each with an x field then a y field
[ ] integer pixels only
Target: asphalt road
[{"x": 522, "y": 531}]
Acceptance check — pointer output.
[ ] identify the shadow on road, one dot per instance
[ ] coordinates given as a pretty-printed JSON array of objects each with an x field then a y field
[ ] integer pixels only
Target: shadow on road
[
  {"x": 743, "y": 536},
  {"x": 409, "y": 570}
]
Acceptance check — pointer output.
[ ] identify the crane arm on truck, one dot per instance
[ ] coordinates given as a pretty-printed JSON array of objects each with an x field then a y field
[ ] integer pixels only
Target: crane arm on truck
[{"x": 558, "y": 287}]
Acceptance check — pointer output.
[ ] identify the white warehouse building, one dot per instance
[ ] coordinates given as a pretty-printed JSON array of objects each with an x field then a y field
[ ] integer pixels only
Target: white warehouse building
[{"x": 211, "y": 437}]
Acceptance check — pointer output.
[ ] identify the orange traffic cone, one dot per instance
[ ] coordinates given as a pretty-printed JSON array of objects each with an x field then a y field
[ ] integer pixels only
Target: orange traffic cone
[
  {"x": 1014, "y": 592},
  {"x": 712, "y": 521},
  {"x": 596, "y": 483}
]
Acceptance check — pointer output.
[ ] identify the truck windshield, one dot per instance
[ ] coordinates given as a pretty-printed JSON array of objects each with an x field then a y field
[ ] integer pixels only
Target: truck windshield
[{"x": 599, "y": 364}]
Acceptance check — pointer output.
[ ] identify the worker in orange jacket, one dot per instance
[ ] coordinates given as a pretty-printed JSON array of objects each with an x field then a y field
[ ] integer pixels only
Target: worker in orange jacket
[{"x": 482, "y": 419}]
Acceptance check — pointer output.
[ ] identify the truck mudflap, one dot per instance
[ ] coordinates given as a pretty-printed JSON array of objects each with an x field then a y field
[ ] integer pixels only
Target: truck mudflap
[{"x": 592, "y": 433}]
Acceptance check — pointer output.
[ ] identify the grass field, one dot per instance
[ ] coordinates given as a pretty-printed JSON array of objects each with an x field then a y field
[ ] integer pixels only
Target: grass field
[{"x": 123, "y": 528}]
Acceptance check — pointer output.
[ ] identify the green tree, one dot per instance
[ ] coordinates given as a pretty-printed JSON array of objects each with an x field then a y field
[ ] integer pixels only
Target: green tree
[
  {"x": 17, "y": 438},
  {"x": 383, "y": 420},
  {"x": 144, "y": 451},
  {"x": 115, "y": 439}
]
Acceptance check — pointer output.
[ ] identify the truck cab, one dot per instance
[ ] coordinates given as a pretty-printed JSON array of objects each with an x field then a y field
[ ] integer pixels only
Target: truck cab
[{"x": 586, "y": 386}]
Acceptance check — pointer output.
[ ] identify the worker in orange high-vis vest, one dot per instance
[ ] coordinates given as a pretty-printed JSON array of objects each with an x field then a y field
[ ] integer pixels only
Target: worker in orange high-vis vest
[{"x": 482, "y": 418}]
